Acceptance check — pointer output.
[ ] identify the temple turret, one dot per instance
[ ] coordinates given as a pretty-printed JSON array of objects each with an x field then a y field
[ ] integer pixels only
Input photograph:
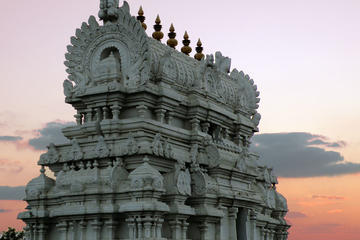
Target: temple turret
[{"x": 160, "y": 149}]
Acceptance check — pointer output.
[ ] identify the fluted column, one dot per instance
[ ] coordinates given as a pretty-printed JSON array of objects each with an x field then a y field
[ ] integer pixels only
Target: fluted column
[
  {"x": 115, "y": 111},
  {"x": 42, "y": 231},
  {"x": 111, "y": 228},
  {"x": 175, "y": 225},
  {"x": 96, "y": 225},
  {"x": 142, "y": 109},
  {"x": 232, "y": 213},
  {"x": 72, "y": 233},
  {"x": 160, "y": 115},
  {"x": 82, "y": 229},
  {"x": 195, "y": 125},
  {"x": 203, "y": 227},
  {"x": 170, "y": 117},
  {"x": 132, "y": 227},
  {"x": 184, "y": 229},
  {"x": 253, "y": 218},
  {"x": 62, "y": 227}
]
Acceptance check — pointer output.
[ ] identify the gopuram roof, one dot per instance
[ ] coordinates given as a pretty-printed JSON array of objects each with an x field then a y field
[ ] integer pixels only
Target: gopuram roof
[{"x": 160, "y": 149}]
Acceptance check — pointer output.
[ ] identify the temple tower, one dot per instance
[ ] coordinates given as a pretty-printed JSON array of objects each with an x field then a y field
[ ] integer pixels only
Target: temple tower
[{"x": 160, "y": 149}]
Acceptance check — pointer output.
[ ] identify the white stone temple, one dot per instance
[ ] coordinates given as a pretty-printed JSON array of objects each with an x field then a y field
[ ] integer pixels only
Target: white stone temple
[{"x": 161, "y": 146}]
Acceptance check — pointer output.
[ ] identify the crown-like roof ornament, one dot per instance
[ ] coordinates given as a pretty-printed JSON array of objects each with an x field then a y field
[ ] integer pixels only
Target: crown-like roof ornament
[
  {"x": 108, "y": 10},
  {"x": 158, "y": 35},
  {"x": 141, "y": 17},
  {"x": 172, "y": 42},
  {"x": 199, "y": 55},
  {"x": 186, "y": 48}
]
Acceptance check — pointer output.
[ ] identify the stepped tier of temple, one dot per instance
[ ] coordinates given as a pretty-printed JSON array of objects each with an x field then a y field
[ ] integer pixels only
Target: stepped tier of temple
[{"x": 160, "y": 149}]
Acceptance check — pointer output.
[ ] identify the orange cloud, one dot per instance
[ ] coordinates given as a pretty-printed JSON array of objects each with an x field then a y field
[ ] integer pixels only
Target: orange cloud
[
  {"x": 328, "y": 197},
  {"x": 335, "y": 211}
]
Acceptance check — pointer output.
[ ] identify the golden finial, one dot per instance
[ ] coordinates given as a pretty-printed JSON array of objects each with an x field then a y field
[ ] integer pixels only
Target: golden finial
[
  {"x": 158, "y": 35},
  {"x": 172, "y": 42},
  {"x": 141, "y": 17},
  {"x": 199, "y": 55},
  {"x": 186, "y": 48}
]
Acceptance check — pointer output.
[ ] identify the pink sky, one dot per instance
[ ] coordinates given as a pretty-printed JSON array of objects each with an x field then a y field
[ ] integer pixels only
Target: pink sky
[{"x": 304, "y": 55}]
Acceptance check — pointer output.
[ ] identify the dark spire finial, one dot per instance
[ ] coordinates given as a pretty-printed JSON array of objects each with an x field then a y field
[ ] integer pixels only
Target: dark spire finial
[
  {"x": 199, "y": 55},
  {"x": 186, "y": 49},
  {"x": 141, "y": 17},
  {"x": 172, "y": 42},
  {"x": 158, "y": 35}
]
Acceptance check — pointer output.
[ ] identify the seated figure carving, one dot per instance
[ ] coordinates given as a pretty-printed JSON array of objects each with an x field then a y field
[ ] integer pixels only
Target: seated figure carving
[{"x": 108, "y": 69}]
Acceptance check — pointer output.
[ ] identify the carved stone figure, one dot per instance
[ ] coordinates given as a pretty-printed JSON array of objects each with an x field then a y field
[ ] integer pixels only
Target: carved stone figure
[
  {"x": 75, "y": 153},
  {"x": 68, "y": 88},
  {"x": 108, "y": 9},
  {"x": 101, "y": 149},
  {"x": 132, "y": 145},
  {"x": 52, "y": 155},
  {"x": 157, "y": 146},
  {"x": 222, "y": 63},
  {"x": 256, "y": 119}
]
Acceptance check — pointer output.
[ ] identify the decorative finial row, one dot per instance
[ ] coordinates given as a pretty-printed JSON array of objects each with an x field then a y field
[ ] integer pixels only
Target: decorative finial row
[{"x": 171, "y": 42}]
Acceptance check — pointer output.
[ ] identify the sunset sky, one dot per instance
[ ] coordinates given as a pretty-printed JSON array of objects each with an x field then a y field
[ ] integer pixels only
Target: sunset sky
[{"x": 304, "y": 55}]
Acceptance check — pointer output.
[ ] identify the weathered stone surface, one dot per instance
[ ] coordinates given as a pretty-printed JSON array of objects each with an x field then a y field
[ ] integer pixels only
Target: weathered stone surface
[{"x": 160, "y": 149}]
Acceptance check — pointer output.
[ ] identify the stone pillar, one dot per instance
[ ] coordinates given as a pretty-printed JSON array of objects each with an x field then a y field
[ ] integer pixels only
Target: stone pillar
[
  {"x": 160, "y": 115},
  {"x": 194, "y": 125},
  {"x": 203, "y": 227},
  {"x": 232, "y": 213},
  {"x": 82, "y": 229},
  {"x": 111, "y": 228},
  {"x": 78, "y": 118},
  {"x": 31, "y": 231},
  {"x": 185, "y": 225},
  {"x": 42, "y": 231},
  {"x": 170, "y": 117},
  {"x": 106, "y": 113},
  {"x": 132, "y": 227},
  {"x": 99, "y": 114},
  {"x": 115, "y": 111},
  {"x": 141, "y": 111},
  {"x": 253, "y": 218},
  {"x": 62, "y": 227},
  {"x": 88, "y": 115},
  {"x": 27, "y": 232},
  {"x": 176, "y": 231},
  {"x": 72, "y": 233},
  {"x": 159, "y": 223},
  {"x": 205, "y": 127},
  {"x": 140, "y": 232},
  {"x": 96, "y": 225},
  {"x": 147, "y": 227}
]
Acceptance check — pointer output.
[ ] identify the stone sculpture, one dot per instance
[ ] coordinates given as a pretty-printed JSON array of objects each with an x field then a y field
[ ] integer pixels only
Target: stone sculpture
[{"x": 161, "y": 146}]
